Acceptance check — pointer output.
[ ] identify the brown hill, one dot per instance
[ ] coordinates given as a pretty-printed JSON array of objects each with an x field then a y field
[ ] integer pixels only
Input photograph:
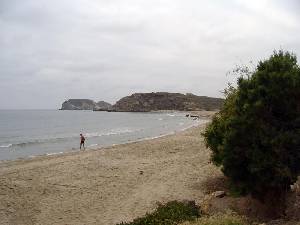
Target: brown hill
[{"x": 145, "y": 102}]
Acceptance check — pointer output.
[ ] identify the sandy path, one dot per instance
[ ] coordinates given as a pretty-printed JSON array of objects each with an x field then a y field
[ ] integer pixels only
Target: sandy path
[{"x": 104, "y": 186}]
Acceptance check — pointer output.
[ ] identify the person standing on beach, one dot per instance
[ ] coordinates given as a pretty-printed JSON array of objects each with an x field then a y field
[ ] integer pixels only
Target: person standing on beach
[{"x": 82, "y": 139}]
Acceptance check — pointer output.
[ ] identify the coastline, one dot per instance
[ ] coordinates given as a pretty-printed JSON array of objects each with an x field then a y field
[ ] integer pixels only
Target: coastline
[
  {"x": 105, "y": 186},
  {"x": 202, "y": 117},
  {"x": 68, "y": 152}
]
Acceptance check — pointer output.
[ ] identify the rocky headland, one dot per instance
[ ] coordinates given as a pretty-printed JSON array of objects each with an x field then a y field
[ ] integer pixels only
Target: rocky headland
[
  {"x": 145, "y": 102},
  {"x": 84, "y": 104}
]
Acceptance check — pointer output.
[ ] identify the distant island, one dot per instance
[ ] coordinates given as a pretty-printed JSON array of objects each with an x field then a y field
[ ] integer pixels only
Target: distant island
[
  {"x": 85, "y": 104},
  {"x": 146, "y": 102}
]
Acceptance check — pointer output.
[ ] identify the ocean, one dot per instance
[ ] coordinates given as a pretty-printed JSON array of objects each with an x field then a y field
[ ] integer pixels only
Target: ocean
[{"x": 28, "y": 133}]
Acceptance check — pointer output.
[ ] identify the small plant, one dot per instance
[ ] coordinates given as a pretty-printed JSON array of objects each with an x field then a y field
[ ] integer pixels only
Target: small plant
[
  {"x": 228, "y": 218},
  {"x": 170, "y": 213}
]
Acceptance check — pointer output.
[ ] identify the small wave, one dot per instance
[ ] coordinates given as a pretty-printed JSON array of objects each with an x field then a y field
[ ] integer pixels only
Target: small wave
[
  {"x": 23, "y": 144},
  {"x": 54, "y": 153},
  {"x": 92, "y": 145},
  {"x": 113, "y": 132},
  {"x": 155, "y": 137},
  {"x": 6, "y": 146},
  {"x": 170, "y": 114},
  {"x": 63, "y": 138},
  {"x": 197, "y": 123}
]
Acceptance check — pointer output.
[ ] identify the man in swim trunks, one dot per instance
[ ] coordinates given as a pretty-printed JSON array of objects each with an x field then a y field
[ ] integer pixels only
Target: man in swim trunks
[{"x": 82, "y": 139}]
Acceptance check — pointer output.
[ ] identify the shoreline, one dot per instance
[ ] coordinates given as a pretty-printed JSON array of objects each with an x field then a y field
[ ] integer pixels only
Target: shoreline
[
  {"x": 78, "y": 151},
  {"x": 106, "y": 186},
  {"x": 203, "y": 117}
]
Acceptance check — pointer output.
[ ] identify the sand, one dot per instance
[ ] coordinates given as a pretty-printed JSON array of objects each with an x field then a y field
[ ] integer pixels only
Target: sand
[{"x": 105, "y": 186}]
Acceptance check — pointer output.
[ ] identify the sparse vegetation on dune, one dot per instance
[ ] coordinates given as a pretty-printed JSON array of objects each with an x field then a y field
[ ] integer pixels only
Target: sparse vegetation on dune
[
  {"x": 170, "y": 213},
  {"x": 228, "y": 218},
  {"x": 186, "y": 213}
]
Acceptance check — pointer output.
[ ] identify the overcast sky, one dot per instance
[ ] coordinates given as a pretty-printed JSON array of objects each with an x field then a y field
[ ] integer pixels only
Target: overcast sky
[{"x": 106, "y": 49}]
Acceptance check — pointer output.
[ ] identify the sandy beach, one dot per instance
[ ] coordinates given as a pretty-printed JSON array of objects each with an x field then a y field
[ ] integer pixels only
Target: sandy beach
[{"x": 105, "y": 186}]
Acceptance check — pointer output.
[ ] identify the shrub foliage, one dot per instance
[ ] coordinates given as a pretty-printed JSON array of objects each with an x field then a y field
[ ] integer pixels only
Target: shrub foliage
[
  {"x": 171, "y": 213},
  {"x": 255, "y": 138},
  {"x": 228, "y": 218}
]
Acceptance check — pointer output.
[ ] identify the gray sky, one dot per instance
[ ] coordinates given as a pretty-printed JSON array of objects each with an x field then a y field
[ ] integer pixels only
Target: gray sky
[{"x": 106, "y": 49}]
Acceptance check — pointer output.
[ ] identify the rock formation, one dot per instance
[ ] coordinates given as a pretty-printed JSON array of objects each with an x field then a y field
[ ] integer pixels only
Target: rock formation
[
  {"x": 84, "y": 104},
  {"x": 145, "y": 102},
  {"x": 102, "y": 106}
]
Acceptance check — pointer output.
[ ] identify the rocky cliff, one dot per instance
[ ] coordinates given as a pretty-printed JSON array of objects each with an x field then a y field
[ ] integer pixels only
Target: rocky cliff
[
  {"x": 102, "y": 106},
  {"x": 84, "y": 104},
  {"x": 145, "y": 102}
]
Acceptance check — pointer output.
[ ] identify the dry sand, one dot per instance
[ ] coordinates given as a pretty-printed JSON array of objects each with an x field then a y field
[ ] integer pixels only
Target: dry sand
[{"x": 105, "y": 186}]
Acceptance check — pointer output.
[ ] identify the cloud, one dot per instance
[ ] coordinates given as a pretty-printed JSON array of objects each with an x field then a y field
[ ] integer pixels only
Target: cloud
[{"x": 106, "y": 49}]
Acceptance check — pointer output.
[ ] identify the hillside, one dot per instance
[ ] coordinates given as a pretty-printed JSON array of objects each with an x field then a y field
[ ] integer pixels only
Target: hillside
[{"x": 145, "y": 102}]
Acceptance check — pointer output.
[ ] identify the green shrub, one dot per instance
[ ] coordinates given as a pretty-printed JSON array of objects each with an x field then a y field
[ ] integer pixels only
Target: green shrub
[
  {"x": 228, "y": 218},
  {"x": 169, "y": 214},
  {"x": 255, "y": 138}
]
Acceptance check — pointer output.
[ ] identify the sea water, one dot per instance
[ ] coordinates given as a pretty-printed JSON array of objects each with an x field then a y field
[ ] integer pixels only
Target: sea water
[{"x": 28, "y": 133}]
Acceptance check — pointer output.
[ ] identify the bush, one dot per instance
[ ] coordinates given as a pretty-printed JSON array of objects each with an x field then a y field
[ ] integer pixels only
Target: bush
[
  {"x": 255, "y": 137},
  {"x": 228, "y": 218},
  {"x": 169, "y": 214}
]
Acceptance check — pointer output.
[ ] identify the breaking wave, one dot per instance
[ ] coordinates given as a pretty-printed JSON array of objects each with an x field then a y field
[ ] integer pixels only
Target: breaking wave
[
  {"x": 113, "y": 132},
  {"x": 61, "y": 139},
  {"x": 6, "y": 146}
]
